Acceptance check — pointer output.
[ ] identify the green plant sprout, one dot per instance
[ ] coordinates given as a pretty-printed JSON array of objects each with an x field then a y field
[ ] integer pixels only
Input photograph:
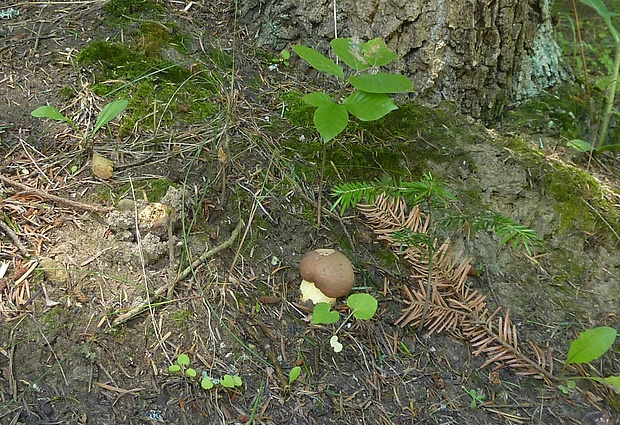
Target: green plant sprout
[
  {"x": 107, "y": 114},
  {"x": 369, "y": 99},
  {"x": 363, "y": 307},
  {"x": 294, "y": 374},
  {"x": 477, "y": 398},
  {"x": 227, "y": 381},
  {"x": 431, "y": 192},
  {"x": 182, "y": 364},
  {"x": 566, "y": 389},
  {"x": 610, "y": 92},
  {"x": 589, "y": 346},
  {"x": 206, "y": 382},
  {"x": 281, "y": 59}
]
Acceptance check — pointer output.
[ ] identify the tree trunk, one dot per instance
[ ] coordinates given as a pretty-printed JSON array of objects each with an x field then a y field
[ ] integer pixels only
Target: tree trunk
[{"x": 480, "y": 54}]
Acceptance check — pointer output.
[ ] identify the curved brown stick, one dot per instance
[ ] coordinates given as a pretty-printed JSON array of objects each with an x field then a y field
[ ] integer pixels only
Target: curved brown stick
[{"x": 27, "y": 190}]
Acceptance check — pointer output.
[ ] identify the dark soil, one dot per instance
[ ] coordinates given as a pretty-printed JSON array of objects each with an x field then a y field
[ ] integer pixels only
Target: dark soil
[{"x": 86, "y": 338}]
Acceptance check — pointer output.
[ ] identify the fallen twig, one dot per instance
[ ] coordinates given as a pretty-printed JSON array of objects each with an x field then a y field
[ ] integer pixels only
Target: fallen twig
[
  {"x": 27, "y": 190},
  {"x": 169, "y": 287},
  {"x": 22, "y": 248}
]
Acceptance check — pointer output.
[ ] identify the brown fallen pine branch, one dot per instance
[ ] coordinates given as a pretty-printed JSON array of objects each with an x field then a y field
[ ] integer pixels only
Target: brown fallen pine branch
[
  {"x": 27, "y": 190},
  {"x": 452, "y": 306}
]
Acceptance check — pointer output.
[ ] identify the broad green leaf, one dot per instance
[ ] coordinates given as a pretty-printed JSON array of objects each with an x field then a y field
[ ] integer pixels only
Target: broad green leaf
[
  {"x": 108, "y": 113},
  {"x": 318, "y": 99},
  {"x": 318, "y": 61},
  {"x": 183, "y": 359},
  {"x": 364, "y": 306},
  {"x": 351, "y": 52},
  {"x": 174, "y": 368},
  {"x": 294, "y": 374},
  {"x": 369, "y": 106},
  {"x": 604, "y": 13},
  {"x": 237, "y": 380},
  {"x": 381, "y": 82},
  {"x": 614, "y": 147},
  {"x": 322, "y": 314},
  {"x": 580, "y": 145},
  {"x": 48, "y": 111},
  {"x": 377, "y": 52},
  {"x": 330, "y": 120},
  {"x": 614, "y": 381},
  {"x": 227, "y": 381},
  {"x": 206, "y": 383},
  {"x": 591, "y": 345},
  {"x": 191, "y": 372}
]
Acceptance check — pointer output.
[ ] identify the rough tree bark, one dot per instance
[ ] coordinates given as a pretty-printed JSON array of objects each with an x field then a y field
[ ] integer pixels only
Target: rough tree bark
[{"x": 480, "y": 54}]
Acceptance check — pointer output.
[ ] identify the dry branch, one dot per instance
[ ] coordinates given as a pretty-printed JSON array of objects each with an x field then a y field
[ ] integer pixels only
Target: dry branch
[
  {"x": 453, "y": 305},
  {"x": 27, "y": 190},
  {"x": 164, "y": 289}
]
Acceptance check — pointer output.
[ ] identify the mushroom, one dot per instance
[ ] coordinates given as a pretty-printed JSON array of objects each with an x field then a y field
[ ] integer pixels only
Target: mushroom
[{"x": 327, "y": 274}]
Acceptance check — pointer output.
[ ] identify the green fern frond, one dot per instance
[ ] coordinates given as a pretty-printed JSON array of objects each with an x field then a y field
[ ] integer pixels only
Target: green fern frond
[
  {"x": 407, "y": 237},
  {"x": 509, "y": 231},
  {"x": 348, "y": 195}
]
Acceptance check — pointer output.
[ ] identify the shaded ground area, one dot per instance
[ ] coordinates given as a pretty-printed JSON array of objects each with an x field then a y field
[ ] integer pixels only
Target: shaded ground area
[{"x": 93, "y": 312}]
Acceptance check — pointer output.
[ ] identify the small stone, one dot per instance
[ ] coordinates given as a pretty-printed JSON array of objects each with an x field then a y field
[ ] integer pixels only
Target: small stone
[
  {"x": 55, "y": 272},
  {"x": 126, "y": 205}
]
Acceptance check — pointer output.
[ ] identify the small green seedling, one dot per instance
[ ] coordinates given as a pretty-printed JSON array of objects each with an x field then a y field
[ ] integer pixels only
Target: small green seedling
[
  {"x": 566, "y": 389},
  {"x": 294, "y": 374},
  {"x": 477, "y": 398},
  {"x": 368, "y": 99},
  {"x": 589, "y": 346},
  {"x": 323, "y": 315},
  {"x": 182, "y": 364},
  {"x": 206, "y": 382},
  {"x": 107, "y": 114},
  {"x": 363, "y": 307},
  {"x": 227, "y": 381}
]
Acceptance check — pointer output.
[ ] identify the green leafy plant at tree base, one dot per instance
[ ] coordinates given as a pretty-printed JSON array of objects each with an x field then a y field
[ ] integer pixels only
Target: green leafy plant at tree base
[
  {"x": 363, "y": 307},
  {"x": 369, "y": 99},
  {"x": 589, "y": 346},
  {"x": 610, "y": 95}
]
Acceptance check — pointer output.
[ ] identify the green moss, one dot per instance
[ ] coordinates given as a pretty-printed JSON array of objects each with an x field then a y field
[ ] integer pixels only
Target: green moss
[
  {"x": 561, "y": 113},
  {"x": 149, "y": 82},
  {"x": 181, "y": 318},
  {"x": 119, "y": 11},
  {"x": 117, "y": 60},
  {"x": 155, "y": 189},
  {"x": 66, "y": 93},
  {"x": 52, "y": 318},
  {"x": 296, "y": 110},
  {"x": 570, "y": 188},
  {"x": 154, "y": 37},
  {"x": 402, "y": 144}
]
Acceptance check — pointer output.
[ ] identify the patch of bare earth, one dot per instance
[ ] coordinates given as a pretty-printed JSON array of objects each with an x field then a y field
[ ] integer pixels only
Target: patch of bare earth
[{"x": 95, "y": 305}]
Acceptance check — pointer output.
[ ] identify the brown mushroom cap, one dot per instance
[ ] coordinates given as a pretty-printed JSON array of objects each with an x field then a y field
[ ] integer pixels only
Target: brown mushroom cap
[{"x": 329, "y": 270}]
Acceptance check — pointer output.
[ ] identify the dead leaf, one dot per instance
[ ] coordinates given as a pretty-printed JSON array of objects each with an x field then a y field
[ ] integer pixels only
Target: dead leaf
[
  {"x": 221, "y": 155},
  {"x": 102, "y": 167}
]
